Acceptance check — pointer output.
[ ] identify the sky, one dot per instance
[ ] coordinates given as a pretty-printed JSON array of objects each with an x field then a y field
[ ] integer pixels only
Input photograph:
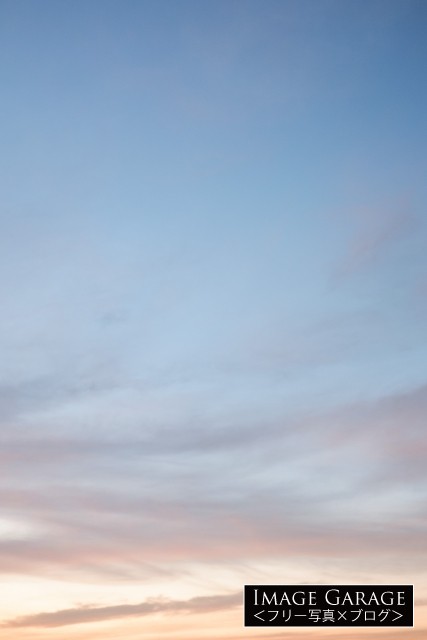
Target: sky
[{"x": 213, "y": 277}]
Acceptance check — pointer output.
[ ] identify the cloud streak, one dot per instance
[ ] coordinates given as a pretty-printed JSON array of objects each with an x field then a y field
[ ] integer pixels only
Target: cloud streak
[
  {"x": 83, "y": 615},
  {"x": 348, "y": 481},
  {"x": 380, "y": 231}
]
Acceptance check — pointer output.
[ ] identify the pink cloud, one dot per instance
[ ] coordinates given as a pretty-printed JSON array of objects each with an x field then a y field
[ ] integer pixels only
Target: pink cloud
[
  {"x": 80, "y": 615},
  {"x": 377, "y": 232}
]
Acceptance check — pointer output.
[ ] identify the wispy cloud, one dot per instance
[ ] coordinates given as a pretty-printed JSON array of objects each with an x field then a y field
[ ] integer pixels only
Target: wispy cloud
[
  {"x": 347, "y": 481},
  {"x": 377, "y": 231},
  {"x": 80, "y": 615}
]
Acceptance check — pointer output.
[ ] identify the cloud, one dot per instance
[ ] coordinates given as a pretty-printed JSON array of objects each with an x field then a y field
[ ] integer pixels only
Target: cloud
[
  {"x": 349, "y": 481},
  {"x": 80, "y": 615},
  {"x": 41, "y": 393},
  {"x": 378, "y": 232}
]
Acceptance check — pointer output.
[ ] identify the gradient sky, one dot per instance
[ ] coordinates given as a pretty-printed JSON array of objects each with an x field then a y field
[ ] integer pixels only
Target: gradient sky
[{"x": 213, "y": 310}]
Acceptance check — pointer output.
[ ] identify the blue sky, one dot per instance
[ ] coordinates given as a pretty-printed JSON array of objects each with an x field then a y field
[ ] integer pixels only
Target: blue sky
[{"x": 213, "y": 283}]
